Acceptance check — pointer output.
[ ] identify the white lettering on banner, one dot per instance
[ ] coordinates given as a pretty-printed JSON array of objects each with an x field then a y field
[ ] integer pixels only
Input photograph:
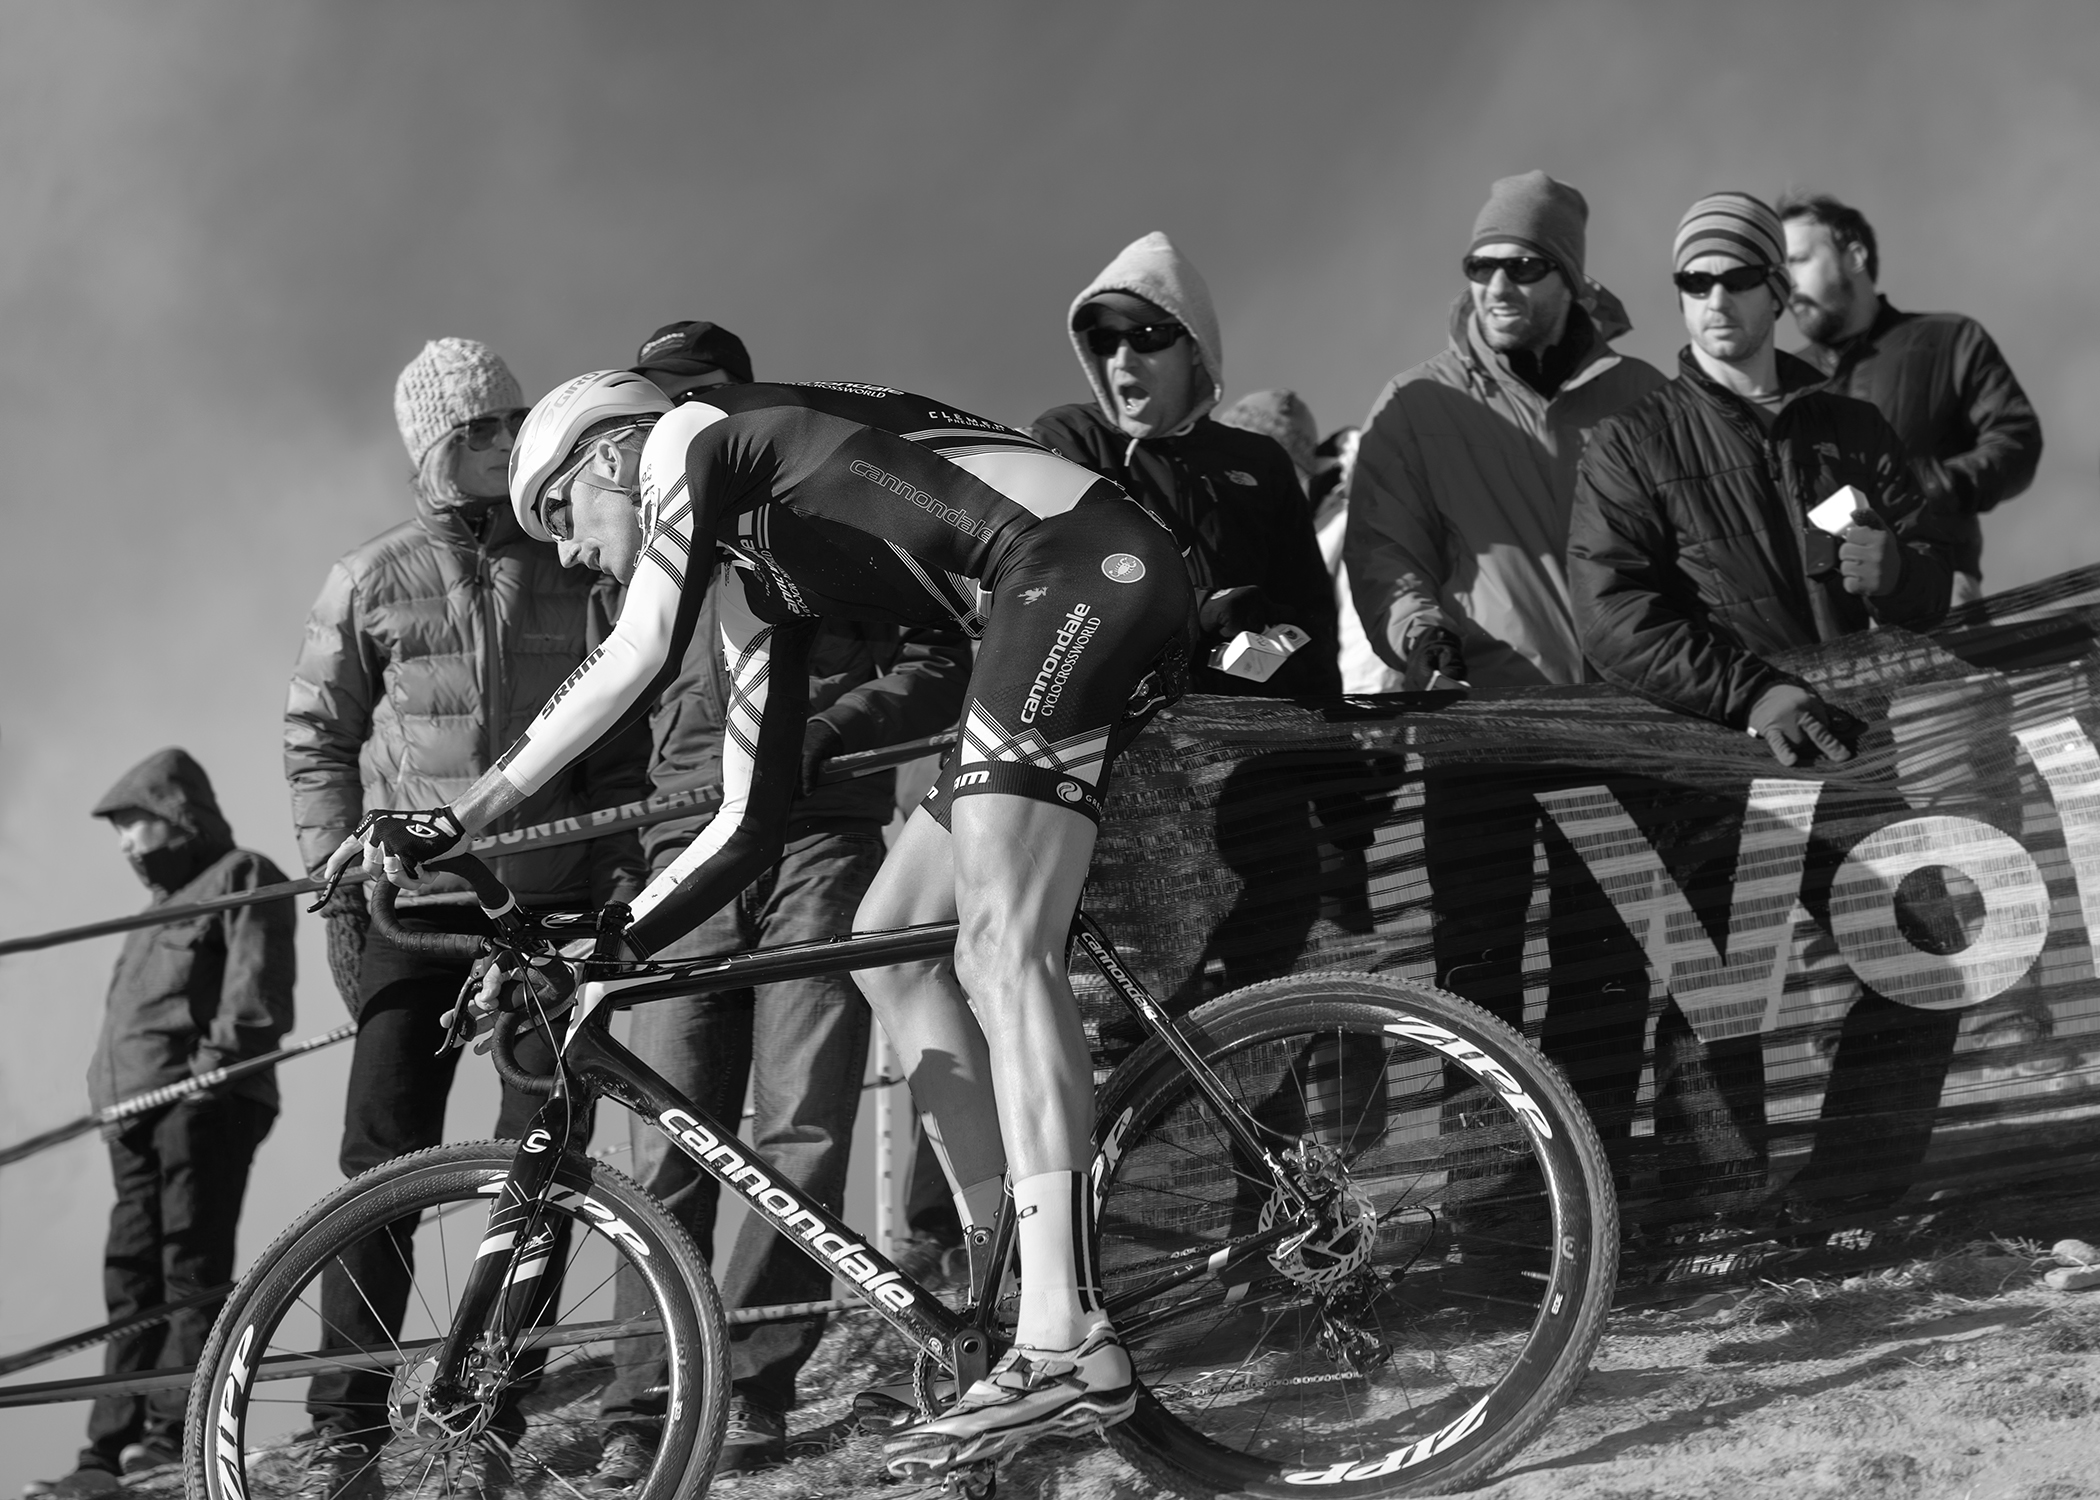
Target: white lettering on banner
[
  {"x": 1722, "y": 995},
  {"x": 2071, "y": 770},
  {"x": 1863, "y": 912}
]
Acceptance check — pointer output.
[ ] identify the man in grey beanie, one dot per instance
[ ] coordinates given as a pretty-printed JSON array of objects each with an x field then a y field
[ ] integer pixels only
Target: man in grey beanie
[{"x": 1457, "y": 530}]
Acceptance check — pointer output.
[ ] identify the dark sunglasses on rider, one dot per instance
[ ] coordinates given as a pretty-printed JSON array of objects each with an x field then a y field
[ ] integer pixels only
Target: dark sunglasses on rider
[
  {"x": 1736, "y": 279},
  {"x": 1148, "y": 338},
  {"x": 1524, "y": 270},
  {"x": 481, "y": 433}
]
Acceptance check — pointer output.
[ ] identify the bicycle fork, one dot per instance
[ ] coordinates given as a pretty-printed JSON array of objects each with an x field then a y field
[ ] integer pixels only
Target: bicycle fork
[{"x": 507, "y": 1289}]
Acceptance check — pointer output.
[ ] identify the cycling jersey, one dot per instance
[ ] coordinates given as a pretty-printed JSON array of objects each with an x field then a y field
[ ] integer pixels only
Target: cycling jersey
[{"x": 859, "y": 502}]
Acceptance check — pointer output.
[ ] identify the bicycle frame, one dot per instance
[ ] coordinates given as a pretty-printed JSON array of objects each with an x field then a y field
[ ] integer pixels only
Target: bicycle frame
[{"x": 593, "y": 1062}]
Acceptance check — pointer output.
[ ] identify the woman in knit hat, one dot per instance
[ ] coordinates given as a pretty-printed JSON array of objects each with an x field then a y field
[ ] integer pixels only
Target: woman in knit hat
[{"x": 429, "y": 650}]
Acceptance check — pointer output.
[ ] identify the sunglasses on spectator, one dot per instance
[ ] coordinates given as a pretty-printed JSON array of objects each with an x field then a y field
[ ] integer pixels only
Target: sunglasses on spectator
[
  {"x": 1148, "y": 338},
  {"x": 482, "y": 432},
  {"x": 1737, "y": 279},
  {"x": 1524, "y": 270}
]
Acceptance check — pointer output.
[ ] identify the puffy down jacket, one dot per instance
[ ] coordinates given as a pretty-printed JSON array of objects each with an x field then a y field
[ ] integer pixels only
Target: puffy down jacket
[{"x": 427, "y": 653}]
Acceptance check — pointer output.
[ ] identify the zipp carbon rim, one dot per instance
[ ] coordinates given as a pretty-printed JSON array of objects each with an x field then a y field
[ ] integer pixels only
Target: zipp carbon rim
[
  {"x": 244, "y": 1437},
  {"x": 1429, "y": 1314}
]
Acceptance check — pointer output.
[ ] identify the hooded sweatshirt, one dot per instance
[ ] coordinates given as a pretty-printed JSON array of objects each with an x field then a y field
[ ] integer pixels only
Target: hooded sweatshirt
[
  {"x": 429, "y": 650},
  {"x": 1464, "y": 483},
  {"x": 1231, "y": 498},
  {"x": 210, "y": 990}
]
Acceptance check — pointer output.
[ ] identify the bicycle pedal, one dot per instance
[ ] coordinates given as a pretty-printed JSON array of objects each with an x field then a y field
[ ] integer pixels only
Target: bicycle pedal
[{"x": 978, "y": 1481}]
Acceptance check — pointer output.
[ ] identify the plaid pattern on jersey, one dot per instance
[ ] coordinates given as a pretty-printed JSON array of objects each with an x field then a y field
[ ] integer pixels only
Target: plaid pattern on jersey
[
  {"x": 668, "y": 542},
  {"x": 984, "y": 738},
  {"x": 747, "y": 692}
]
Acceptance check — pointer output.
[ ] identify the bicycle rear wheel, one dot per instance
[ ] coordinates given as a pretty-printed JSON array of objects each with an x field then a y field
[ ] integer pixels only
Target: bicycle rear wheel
[
  {"x": 1432, "y": 1312},
  {"x": 393, "y": 1246}
]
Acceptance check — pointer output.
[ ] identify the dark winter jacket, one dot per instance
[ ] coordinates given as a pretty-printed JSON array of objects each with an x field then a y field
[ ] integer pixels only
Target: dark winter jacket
[
  {"x": 875, "y": 684},
  {"x": 427, "y": 653},
  {"x": 209, "y": 990},
  {"x": 1686, "y": 553},
  {"x": 1971, "y": 433},
  {"x": 1240, "y": 517}
]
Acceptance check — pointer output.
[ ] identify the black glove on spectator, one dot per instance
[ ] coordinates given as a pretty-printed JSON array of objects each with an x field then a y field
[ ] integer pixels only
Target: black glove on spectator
[
  {"x": 819, "y": 743},
  {"x": 1436, "y": 650},
  {"x": 1229, "y": 611},
  {"x": 1797, "y": 725}
]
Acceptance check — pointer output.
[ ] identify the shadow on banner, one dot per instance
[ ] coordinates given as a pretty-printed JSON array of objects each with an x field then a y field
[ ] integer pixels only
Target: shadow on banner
[{"x": 1785, "y": 994}]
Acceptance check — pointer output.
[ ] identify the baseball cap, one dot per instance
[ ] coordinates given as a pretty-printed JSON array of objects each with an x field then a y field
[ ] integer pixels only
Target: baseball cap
[{"x": 693, "y": 348}]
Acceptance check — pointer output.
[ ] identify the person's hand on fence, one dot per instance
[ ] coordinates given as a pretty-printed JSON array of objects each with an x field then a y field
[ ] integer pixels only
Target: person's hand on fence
[
  {"x": 1436, "y": 652},
  {"x": 1797, "y": 725},
  {"x": 820, "y": 741}
]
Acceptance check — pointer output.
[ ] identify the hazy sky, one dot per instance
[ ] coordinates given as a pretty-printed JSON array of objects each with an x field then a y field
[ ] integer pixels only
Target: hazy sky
[{"x": 228, "y": 226}]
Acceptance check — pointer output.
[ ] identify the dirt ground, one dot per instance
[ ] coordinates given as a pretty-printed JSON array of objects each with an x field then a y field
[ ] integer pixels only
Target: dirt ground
[
  {"x": 1956, "y": 1374},
  {"x": 1952, "y": 1374}
]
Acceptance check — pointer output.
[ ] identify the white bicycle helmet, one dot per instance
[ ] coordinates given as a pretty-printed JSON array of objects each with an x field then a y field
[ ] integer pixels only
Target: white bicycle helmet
[{"x": 556, "y": 425}]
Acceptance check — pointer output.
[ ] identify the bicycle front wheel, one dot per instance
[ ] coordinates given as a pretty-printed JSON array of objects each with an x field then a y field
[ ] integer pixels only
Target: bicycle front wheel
[
  {"x": 1410, "y": 1303},
  {"x": 337, "y": 1325}
]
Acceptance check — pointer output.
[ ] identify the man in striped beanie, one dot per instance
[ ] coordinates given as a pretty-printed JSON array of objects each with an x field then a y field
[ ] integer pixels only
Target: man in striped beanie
[{"x": 1693, "y": 564}]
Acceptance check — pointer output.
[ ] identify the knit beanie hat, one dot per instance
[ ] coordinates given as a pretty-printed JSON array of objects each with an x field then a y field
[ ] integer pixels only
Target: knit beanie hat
[
  {"x": 450, "y": 382},
  {"x": 1281, "y": 415},
  {"x": 1738, "y": 226},
  {"x": 1533, "y": 210}
]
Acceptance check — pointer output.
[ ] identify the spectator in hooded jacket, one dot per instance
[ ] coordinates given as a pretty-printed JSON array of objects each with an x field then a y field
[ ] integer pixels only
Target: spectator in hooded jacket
[
  {"x": 1692, "y": 562},
  {"x": 189, "y": 997},
  {"x": 1456, "y": 549},
  {"x": 429, "y": 650},
  {"x": 1147, "y": 338},
  {"x": 1971, "y": 433},
  {"x": 801, "y": 1044}
]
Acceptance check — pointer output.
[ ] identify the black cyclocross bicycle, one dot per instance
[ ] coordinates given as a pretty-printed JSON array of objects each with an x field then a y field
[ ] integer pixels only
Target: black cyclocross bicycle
[{"x": 1357, "y": 1235}]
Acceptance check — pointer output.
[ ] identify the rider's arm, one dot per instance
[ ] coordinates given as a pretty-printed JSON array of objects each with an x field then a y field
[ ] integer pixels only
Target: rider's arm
[
  {"x": 615, "y": 682},
  {"x": 621, "y": 678},
  {"x": 768, "y": 671}
]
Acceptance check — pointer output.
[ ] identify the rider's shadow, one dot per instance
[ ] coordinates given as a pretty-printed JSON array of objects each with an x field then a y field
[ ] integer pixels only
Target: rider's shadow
[{"x": 1294, "y": 828}]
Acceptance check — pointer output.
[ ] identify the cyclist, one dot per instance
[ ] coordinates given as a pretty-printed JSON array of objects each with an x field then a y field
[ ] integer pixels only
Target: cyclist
[{"x": 860, "y": 502}]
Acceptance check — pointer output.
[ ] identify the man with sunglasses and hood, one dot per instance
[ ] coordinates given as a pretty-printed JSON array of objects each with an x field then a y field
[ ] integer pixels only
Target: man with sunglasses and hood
[
  {"x": 1693, "y": 562},
  {"x": 1147, "y": 337},
  {"x": 429, "y": 650}
]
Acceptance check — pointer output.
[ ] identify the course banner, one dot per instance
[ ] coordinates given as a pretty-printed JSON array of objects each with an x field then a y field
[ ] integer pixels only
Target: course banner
[{"x": 1788, "y": 995}]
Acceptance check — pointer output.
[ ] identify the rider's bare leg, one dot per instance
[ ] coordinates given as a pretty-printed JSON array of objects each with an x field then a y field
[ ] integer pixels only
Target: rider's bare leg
[
  {"x": 1019, "y": 867},
  {"x": 923, "y": 1010},
  {"x": 1015, "y": 867}
]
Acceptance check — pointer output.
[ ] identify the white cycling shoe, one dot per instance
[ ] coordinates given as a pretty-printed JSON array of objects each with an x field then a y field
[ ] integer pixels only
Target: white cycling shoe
[{"x": 1031, "y": 1393}]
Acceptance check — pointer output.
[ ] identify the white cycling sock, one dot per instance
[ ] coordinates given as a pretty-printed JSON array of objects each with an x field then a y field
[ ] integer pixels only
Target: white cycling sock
[
  {"x": 979, "y": 1202},
  {"x": 1060, "y": 1286}
]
